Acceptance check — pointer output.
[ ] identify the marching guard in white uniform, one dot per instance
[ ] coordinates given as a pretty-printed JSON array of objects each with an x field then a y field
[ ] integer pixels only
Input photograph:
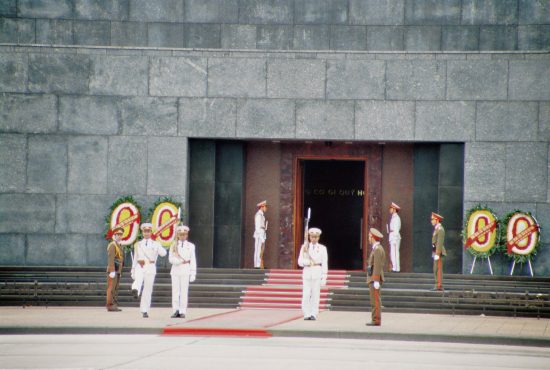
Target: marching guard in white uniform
[
  {"x": 146, "y": 252},
  {"x": 395, "y": 237},
  {"x": 184, "y": 270},
  {"x": 314, "y": 259},
  {"x": 260, "y": 226}
]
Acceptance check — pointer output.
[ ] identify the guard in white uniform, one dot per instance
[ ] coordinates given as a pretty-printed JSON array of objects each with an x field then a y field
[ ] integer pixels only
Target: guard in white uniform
[
  {"x": 184, "y": 270},
  {"x": 394, "y": 230},
  {"x": 260, "y": 226},
  {"x": 137, "y": 268},
  {"x": 146, "y": 253},
  {"x": 314, "y": 259}
]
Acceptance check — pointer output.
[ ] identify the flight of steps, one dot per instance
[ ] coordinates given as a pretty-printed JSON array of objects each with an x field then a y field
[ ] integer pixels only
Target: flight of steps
[
  {"x": 283, "y": 289},
  {"x": 464, "y": 294},
  {"x": 232, "y": 288},
  {"x": 55, "y": 286}
]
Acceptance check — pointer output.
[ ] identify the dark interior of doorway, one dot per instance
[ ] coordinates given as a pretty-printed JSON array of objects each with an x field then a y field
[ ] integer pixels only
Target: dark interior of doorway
[{"x": 334, "y": 190}]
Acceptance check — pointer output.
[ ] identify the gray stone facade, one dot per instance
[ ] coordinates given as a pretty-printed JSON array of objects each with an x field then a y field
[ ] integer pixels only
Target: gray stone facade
[
  {"x": 375, "y": 25},
  {"x": 80, "y": 127}
]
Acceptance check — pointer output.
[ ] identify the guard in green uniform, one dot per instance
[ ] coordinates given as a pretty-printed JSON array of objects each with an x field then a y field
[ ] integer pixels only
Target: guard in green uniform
[
  {"x": 114, "y": 269},
  {"x": 375, "y": 276},
  {"x": 438, "y": 250}
]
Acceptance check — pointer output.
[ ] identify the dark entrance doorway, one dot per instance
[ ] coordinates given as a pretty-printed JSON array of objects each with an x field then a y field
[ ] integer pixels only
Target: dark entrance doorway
[{"x": 335, "y": 192}]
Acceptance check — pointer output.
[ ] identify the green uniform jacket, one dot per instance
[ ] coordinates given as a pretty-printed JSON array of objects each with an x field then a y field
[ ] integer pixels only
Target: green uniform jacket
[
  {"x": 438, "y": 239},
  {"x": 377, "y": 260},
  {"x": 114, "y": 252}
]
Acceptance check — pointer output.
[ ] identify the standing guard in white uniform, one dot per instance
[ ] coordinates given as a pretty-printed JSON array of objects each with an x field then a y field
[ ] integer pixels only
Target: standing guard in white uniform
[
  {"x": 394, "y": 231},
  {"x": 146, "y": 253},
  {"x": 314, "y": 259},
  {"x": 184, "y": 270},
  {"x": 260, "y": 226}
]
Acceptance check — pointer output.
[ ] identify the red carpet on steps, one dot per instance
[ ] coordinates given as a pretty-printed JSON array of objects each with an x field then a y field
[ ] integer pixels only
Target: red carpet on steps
[{"x": 283, "y": 290}]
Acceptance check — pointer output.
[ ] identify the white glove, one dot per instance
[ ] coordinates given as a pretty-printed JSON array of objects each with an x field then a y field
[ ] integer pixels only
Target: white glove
[
  {"x": 376, "y": 285},
  {"x": 323, "y": 282},
  {"x": 112, "y": 274},
  {"x": 436, "y": 257},
  {"x": 192, "y": 278},
  {"x": 132, "y": 274}
]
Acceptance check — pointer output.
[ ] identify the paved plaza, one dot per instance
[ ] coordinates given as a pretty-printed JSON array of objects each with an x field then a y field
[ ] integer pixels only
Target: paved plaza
[{"x": 279, "y": 323}]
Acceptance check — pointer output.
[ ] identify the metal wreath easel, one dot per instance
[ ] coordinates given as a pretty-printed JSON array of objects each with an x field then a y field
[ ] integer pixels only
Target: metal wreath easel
[
  {"x": 528, "y": 262},
  {"x": 474, "y": 264}
]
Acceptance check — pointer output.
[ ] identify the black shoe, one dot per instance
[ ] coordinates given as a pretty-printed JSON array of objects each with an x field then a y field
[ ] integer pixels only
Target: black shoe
[
  {"x": 145, "y": 315},
  {"x": 307, "y": 318},
  {"x": 135, "y": 293},
  {"x": 373, "y": 324},
  {"x": 313, "y": 318},
  {"x": 175, "y": 315},
  {"x": 182, "y": 316}
]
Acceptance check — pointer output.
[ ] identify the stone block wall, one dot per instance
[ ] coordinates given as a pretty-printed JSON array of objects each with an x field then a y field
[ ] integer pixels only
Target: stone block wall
[
  {"x": 80, "y": 127},
  {"x": 376, "y": 25}
]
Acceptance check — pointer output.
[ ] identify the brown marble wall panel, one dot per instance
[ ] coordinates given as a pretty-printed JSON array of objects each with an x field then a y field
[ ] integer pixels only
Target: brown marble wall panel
[
  {"x": 262, "y": 183},
  {"x": 398, "y": 186}
]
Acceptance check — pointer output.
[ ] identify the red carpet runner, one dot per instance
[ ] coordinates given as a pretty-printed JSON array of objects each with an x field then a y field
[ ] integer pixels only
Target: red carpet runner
[
  {"x": 279, "y": 299},
  {"x": 241, "y": 323},
  {"x": 283, "y": 290}
]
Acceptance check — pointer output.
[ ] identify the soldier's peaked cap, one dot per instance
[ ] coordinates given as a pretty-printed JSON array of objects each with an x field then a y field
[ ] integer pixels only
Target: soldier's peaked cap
[
  {"x": 118, "y": 230},
  {"x": 435, "y": 215},
  {"x": 182, "y": 229},
  {"x": 395, "y": 206},
  {"x": 314, "y": 231},
  {"x": 375, "y": 233},
  {"x": 262, "y": 203},
  {"x": 146, "y": 225}
]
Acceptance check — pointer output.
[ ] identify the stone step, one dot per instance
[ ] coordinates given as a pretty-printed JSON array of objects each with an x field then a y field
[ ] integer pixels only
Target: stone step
[{"x": 226, "y": 288}]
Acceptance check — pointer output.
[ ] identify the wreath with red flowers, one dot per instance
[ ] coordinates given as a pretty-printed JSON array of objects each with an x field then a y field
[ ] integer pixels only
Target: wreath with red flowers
[{"x": 529, "y": 235}]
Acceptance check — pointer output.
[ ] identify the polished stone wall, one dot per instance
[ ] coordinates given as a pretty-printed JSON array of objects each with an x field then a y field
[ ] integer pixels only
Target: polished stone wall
[
  {"x": 375, "y": 25},
  {"x": 81, "y": 126}
]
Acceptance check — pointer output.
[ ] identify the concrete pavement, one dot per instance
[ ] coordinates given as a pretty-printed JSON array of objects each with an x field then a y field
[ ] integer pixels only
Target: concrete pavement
[{"x": 330, "y": 324}]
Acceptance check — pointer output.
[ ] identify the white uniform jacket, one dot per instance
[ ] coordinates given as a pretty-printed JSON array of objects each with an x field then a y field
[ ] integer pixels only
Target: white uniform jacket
[
  {"x": 182, "y": 257},
  {"x": 148, "y": 250},
  {"x": 316, "y": 260},
  {"x": 259, "y": 225},
  {"x": 395, "y": 227}
]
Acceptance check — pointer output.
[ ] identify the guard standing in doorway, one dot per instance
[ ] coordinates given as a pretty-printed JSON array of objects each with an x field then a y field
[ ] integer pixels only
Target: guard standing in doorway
[
  {"x": 394, "y": 230},
  {"x": 260, "y": 227},
  {"x": 114, "y": 269},
  {"x": 314, "y": 259},
  {"x": 438, "y": 250},
  {"x": 375, "y": 276}
]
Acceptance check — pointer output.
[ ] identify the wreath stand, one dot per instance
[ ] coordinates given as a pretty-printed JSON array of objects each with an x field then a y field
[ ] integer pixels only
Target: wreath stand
[
  {"x": 528, "y": 262},
  {"x": 474, "y": 264}
]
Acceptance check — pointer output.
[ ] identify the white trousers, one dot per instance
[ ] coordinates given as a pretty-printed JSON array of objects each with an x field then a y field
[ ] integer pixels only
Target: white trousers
[
  {"x": 394, "y": 254},
  {"x": 258, "y": 251},
  {"x": 138, "y": 279},
  {"x": 180, "y": 289},
  {"x": 311, "y": 290},
  {"x": 148, "y": 281}
]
